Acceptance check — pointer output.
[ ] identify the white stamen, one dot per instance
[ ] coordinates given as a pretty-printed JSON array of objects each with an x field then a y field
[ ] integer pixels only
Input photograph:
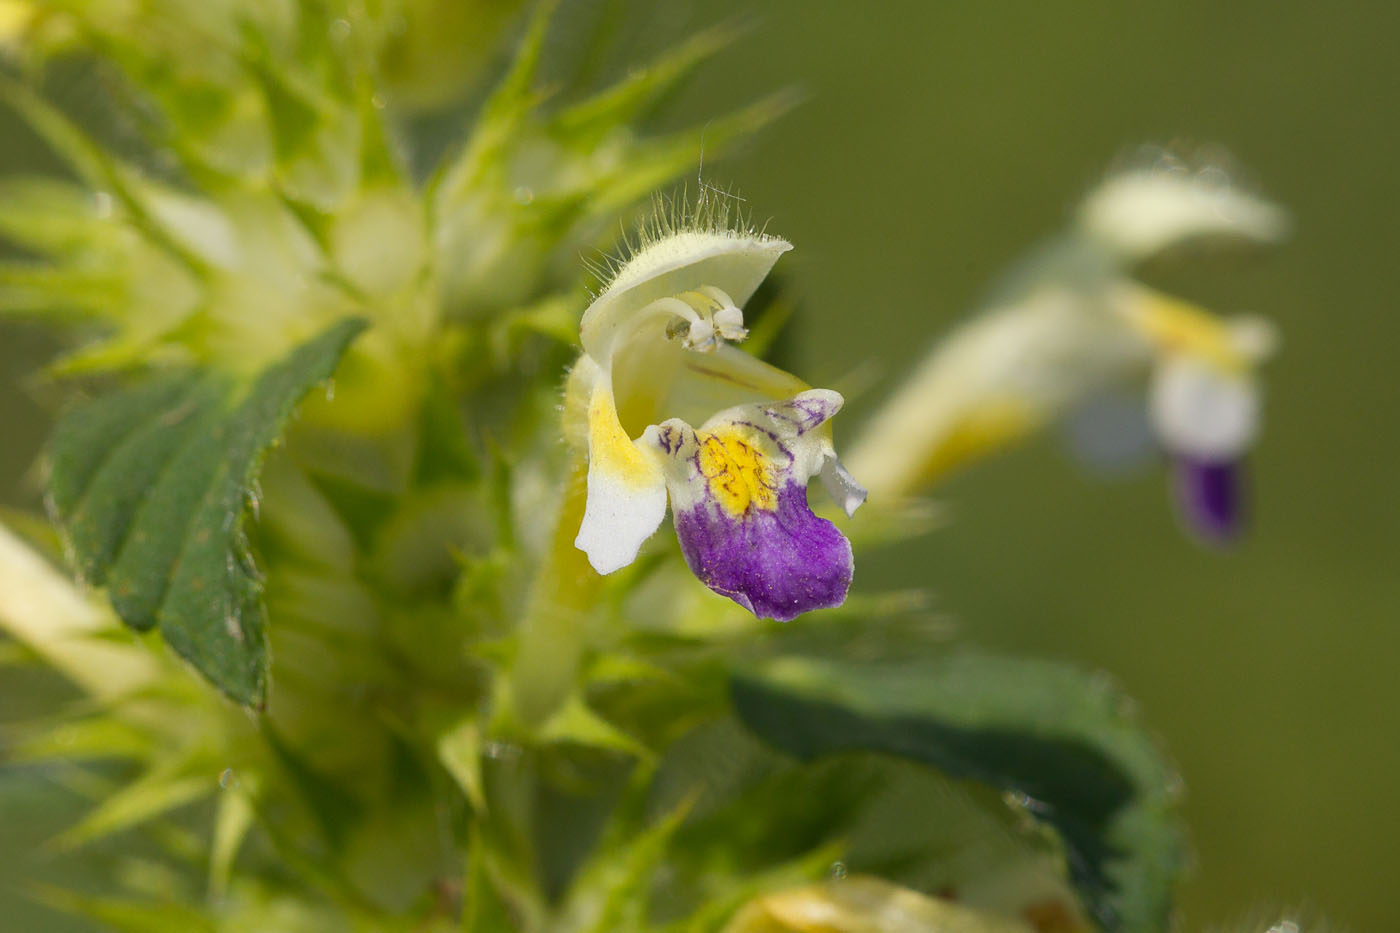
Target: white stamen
[
  {"x": 701, "y": 336},
  {"x": 730, "y": 322},
  {"x": 705, "y": 316},
  {"x": 728, "y": 317},
  {"x": 699, "y": 333}
]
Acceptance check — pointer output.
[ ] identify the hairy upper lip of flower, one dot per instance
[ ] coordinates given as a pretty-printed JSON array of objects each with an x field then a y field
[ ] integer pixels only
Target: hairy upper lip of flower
[{"x": 657, "y": 359}]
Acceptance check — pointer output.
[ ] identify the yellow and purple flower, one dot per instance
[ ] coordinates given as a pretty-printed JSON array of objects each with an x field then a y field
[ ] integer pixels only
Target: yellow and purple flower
[{"x": 658, "y": 359}]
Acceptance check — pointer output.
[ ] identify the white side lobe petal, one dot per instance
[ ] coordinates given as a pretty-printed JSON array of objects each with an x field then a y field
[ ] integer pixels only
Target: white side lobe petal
[
  {"x": 626, "y": 490},
  {"x": 619, "y": 517},
  {"x": 841, "y": 485}
]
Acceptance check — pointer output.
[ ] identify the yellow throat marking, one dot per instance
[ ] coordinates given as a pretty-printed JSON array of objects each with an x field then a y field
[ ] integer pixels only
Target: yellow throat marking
[
  {"x": 610, "y": 445},
  {"x": 738, "y": 473}
]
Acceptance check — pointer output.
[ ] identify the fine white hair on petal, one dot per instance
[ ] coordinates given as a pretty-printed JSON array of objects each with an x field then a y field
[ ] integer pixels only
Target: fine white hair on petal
[
  {"x": 679, "y": 249},
  {"x": 685, "y": 247},
  {"x": 1201, "y": 411},
  {"x": 1147, "y": 208},
  {"x": 618, "y": 518},
  {"x": 707, "y": 216}
]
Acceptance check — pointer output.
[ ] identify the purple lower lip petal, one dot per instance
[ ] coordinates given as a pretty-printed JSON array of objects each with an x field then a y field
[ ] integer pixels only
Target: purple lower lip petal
[
  {"x": 1210, "y": 497},
  {"x": 776, "y": 563}
]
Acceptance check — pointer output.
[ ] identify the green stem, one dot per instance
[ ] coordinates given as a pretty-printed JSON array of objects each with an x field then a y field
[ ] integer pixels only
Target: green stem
[{"x": 551, "y": 637}]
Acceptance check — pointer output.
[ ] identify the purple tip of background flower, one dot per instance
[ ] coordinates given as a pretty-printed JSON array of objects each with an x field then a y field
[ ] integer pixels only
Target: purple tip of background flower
[
  {"x": 777, "y": 564},
  {"x": 1210, "y": 498}
]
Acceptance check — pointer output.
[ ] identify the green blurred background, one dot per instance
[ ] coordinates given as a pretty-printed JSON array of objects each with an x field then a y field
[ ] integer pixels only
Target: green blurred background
[{"x": 938, "y": 140}]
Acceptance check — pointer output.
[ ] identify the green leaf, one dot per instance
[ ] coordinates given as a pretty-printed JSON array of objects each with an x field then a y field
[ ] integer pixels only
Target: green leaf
[
  {"x": 330, "y": 804},
  {"x": 317, "y": 137},
  {"x": 1062, "y": 741},
  {"x": 362, "y": 509},
  {"x": 486, "y": 890},
  {"x": 194, "y": 97},
  {"x": 48, "y": 215},
  {"x": 233, "y": 818},
  {"x": 651, "y": 163},
  {"x": 611, "y": 890},
  {"x": 164, "y": 788},
  {"x": 445, "y": 452},
  {"x": 459, "y": 749},
  {"x": 507, "y": 106},
  {"x": 126, "y": 914},
  {"x": 28, "y": 288},
  {"x": 721, "y": 905},
  {"x": 625, "y": 102},
  {"x": 149, "y": 485},
  {"x": 96, "y": 167},
  {"x": 575, "y": 722},
  {"x": 94, "y": 737}
]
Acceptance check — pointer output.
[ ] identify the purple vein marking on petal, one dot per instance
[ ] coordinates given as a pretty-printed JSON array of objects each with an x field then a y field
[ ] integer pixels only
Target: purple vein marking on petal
[
  {"x": 778, "y": 414},
  {"x": 772, "y": 436},
  {"x": 1210, "y": 497},
  {"x": 775, "y": 563},
  {"x": 813, "y": 413}
]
